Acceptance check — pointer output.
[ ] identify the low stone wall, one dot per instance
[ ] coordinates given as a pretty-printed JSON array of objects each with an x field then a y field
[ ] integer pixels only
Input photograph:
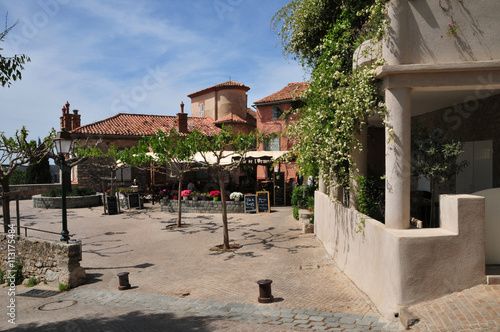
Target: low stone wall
[
  {"x": 43, "y": 259},
  {"x": 398, "y": 268},
  {"x": 71, "y": 202},
  {"x": 26, "y": 191},
  {"x": 202, "y": 206}
]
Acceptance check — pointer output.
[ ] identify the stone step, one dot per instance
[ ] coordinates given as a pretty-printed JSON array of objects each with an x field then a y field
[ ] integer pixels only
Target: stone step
[{"x": 493, "y": 280}]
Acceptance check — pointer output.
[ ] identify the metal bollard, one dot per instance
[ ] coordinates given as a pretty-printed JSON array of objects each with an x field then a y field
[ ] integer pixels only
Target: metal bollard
[
  {"x": 123, "y": 279},
  {"x": 265, "y": 295}
]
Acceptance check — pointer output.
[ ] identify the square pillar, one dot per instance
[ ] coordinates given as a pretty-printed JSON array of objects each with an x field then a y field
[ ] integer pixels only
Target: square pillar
[{"x": 398, "y": 158}]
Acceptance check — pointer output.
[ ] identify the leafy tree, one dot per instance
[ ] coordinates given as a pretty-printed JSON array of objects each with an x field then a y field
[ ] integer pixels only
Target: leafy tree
[
  {"x": 10, "y": 67},
  {"x": 169, "y": 150},
  {"x": 18, "y": 177},
  {"x": 339, "y": 99},
  {"x": 434, "y": 157},
  {"x": 303, "y": 24},
  {"x": 216, "y": 151},
  {"x": 111, "y": 159},
  {"x": 14, "y": 152},
  {"x": 38, "y": 170}
]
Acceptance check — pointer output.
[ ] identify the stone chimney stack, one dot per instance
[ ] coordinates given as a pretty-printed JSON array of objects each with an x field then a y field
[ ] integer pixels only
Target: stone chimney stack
[
  {"x": 69, "y": 121},
  {"x": 182, "y": 120}
]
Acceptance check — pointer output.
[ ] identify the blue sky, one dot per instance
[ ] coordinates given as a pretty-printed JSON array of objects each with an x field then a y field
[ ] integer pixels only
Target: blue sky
[{"x": 129, "y": 56}]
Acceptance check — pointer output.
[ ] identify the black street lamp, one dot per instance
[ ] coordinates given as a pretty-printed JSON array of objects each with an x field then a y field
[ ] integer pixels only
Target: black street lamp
[{"x": 64, "y": 144}]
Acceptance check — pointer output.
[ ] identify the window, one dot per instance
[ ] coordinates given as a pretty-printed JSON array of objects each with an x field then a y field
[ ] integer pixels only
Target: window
[
  {"x": 272, "y": 144},
  {"x": 277, "y": 112},
  {"x": 478, "y": 174},
  {"x": 202, "y": 110}
]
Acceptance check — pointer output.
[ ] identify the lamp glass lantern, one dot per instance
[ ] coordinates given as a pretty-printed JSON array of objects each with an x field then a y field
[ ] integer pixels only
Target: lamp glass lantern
[{"x": 63, "y": 142}]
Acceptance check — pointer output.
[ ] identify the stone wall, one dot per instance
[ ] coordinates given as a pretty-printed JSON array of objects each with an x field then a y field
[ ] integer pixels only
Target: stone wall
[
  {"x": 71, "y": 202},
  {"x": 202, "y": 206},
  {"x": 25, "y": 191},
  {"x": 43, "y": 259}
]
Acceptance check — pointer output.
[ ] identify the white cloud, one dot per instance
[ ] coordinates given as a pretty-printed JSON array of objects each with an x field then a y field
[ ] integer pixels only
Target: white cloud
[{"x": 95, "y": 54}]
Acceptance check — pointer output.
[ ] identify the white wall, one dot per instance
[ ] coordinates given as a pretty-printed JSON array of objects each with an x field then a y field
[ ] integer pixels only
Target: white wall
[
  {"x": 398, "y": 268},
  {"x": 492, "y": 197},
  {"x": 418, "y": 31}
]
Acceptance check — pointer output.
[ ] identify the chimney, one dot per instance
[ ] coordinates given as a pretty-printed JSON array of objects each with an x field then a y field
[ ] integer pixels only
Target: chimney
[
  {"x": 69, "y": 121},
  {"x": 182, "y": 120},
  {"x": 76, "y": 120}
]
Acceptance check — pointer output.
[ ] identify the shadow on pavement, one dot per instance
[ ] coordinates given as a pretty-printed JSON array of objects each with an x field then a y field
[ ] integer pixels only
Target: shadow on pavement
[{"x": 133, "y": 321}]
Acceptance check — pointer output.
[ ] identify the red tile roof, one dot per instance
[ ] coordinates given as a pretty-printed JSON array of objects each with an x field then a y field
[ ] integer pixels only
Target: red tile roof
[
  {"x": 233, "y": 118},
  {"x": 290, "y": 92},
  {"x": 139, "y": 125},
  {"x": 228, "y": 84}
]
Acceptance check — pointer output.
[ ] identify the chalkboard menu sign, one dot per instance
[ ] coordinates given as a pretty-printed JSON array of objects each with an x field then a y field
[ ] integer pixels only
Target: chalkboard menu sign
[
  {"x": 112, "y": 204},
  {"x": 279, "y": 189},
  {"x": 263, "y": 202},
  {"x": 134, "y": 201},
  {"x": 250, "y": 203}
]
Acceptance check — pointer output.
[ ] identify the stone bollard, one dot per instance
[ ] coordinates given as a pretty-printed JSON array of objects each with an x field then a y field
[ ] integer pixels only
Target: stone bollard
[
  {"x": 265, "y": 295},
  {"x": 123, "y": 279}
]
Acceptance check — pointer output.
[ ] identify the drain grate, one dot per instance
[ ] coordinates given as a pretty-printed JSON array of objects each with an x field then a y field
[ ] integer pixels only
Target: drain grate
[{"x": 39, "y": 293}]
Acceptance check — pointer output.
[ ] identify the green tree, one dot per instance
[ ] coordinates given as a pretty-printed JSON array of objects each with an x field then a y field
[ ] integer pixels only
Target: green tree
[
  {"x": 302, "y": 25},
  {"x": 434, "y": 157},
  {"x": 217, "y": 154},
  {"x": 169, "y": 150},
  {"x": 10, "y": 67},
  {"x": 38, "y": 170},
  {"x": 14, "y": 152}
]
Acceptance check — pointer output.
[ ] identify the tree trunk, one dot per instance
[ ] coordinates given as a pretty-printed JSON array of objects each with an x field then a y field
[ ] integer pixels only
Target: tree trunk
[
  {"x": 179, "y": 203},
  {"x": 6, "y": 204},
  {"x": 224, "y": 210}
]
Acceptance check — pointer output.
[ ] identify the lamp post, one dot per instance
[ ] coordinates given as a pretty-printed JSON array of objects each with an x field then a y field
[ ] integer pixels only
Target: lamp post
[{"x": 63, "y": 143}]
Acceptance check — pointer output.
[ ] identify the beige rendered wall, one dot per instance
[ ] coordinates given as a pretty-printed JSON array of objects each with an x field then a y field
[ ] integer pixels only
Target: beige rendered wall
[
  {"x": 418, "y": 32},
  {"x": 397, "y": 268},
  {"x": 209, "y": 100},
  {"x": 492, "y": 197},
  {"x": 232, "y": 101}
]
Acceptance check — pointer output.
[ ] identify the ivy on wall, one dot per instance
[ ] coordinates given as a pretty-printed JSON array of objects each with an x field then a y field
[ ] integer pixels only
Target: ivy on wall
[{"x": 339, "y": 99}]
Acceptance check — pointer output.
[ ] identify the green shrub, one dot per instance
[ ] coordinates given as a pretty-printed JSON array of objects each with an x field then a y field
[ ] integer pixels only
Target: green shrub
[
  {"x": 296, "y": 212},
  {"x": 31, "y": 282},
  {"x": 18, "y": 276},
  {"x": 371, "y": 196},
  {"x": 310, "y": 202},
  {"x": 63, "y": 287},
  {"x": 57, "y": 192},
  {"x": 301, "y": 194},
  {"x": 2, "y": 277}
]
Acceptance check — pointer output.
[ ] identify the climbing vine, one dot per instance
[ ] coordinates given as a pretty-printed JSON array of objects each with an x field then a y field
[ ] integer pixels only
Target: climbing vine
[{"x": 339, "y": 99}]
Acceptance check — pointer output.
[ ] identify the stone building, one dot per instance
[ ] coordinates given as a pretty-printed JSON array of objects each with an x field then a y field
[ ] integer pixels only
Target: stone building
[
  {"x": 225, "y": 104},
  {"x": 272, "y": 119},
  {"x": 124, "y": 131}
]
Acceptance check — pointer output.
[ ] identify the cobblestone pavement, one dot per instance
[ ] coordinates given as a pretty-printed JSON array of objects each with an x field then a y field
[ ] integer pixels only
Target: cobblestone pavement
[
  {"x": 475, "y": 309},
  {"x": 178, "y": 282}
]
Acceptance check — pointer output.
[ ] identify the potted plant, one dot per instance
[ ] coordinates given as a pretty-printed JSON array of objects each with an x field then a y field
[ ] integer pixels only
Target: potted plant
[
  {"x": 194, "y": 195},
  {"x": 236, "y": 196},
  {"x": 215, "y": 195},
  {"x": 204, "y": 196},
  {"x": 185, "y": 194}
]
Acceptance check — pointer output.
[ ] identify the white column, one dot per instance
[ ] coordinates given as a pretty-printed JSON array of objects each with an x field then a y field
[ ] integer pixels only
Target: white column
[
  {"x": 359, "y": 158},
  {"x": 398, "y": 157}
]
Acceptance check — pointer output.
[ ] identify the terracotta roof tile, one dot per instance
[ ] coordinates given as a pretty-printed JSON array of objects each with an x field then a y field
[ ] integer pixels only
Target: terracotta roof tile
[
  {"x": 233, "y": 118},
  {"x": 290, "y": 92},
  {"x": 228, "y": 84},
  {"x": 139, "y": 125}
]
